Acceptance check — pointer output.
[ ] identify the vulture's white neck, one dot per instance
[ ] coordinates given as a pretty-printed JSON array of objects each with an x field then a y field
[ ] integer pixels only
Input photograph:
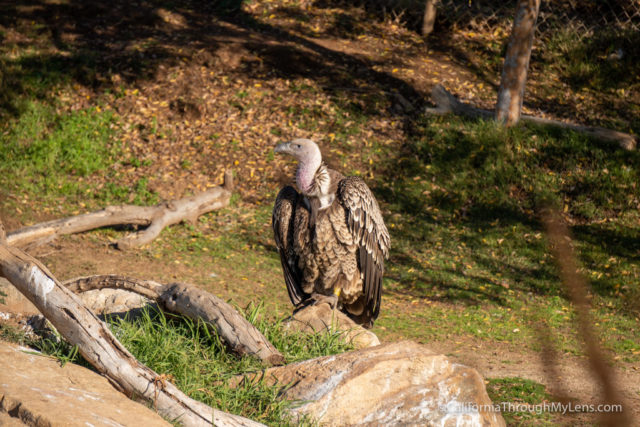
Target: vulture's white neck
[
  {"x": 307, "y": 168},
  {"x": 319, "y": 187}
]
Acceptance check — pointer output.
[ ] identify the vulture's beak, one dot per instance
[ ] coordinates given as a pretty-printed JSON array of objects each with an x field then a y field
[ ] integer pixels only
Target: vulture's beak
[{"x": 284, "y": 148}]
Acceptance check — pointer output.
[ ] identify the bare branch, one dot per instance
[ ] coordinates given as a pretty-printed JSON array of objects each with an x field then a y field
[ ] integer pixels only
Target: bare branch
[
  {"x": 146, "y": 288},
  {"x": 155, "y": 217}
]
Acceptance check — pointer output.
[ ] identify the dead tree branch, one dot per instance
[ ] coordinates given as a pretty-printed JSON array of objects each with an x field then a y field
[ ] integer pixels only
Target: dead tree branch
[
  {"x": 446, "y": 103},
  {"x": 239, "y": 334},
  {"x": 155, "y": 218},
  {"x": 80, "y": 326},
  {"x": 146, "y": 288}
]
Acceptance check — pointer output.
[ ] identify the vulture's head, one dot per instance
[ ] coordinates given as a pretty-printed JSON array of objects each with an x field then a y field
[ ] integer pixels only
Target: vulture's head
[{"x": 304, "y": 150}]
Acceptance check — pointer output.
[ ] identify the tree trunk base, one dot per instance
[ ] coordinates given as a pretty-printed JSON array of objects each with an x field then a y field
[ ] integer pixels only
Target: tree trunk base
[{"x": 446, "y": 103}]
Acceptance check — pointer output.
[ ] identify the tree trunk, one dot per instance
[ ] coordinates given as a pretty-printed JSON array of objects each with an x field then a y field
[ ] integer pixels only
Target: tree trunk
[
  {"x": 446, "y": 103},
  {"x": 80, "y": 326},
  {"x": 429, "y": 17},
  {"x": 516, "y": 62}
]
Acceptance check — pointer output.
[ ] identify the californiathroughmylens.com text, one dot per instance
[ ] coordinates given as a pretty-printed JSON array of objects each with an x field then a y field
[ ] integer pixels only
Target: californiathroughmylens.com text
[{"x": 564, "y": 408}]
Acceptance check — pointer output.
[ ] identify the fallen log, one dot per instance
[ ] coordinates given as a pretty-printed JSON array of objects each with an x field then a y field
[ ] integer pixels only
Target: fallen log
[
  {"x": 446, "y": 103},
  {"x": 155, "y": 218},
  {"x": 80, "y": 326},
  {"x": 238, "y": 333}
]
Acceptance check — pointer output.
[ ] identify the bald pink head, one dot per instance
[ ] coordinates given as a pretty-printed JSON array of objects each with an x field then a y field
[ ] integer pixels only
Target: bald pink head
[{"x": 309, "y": 160}]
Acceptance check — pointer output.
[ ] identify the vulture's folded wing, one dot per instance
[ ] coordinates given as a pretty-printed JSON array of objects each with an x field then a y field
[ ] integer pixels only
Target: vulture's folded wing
[
  {"x": 367, "y": 226},
  {"x": 282, "y": 223}
]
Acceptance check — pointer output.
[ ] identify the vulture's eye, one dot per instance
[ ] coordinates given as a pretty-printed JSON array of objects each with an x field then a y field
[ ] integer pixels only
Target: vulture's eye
[{"x": 298, "y": 145}]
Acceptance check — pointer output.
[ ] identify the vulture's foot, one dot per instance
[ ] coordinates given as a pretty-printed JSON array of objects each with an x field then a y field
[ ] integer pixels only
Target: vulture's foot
[{"x": 332, "y": 300}]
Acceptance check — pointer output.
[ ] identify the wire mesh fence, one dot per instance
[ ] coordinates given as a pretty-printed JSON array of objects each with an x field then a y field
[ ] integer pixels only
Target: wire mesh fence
[
  {"x": 481, "y": 15},
  {"x": 584, "y": 15}
]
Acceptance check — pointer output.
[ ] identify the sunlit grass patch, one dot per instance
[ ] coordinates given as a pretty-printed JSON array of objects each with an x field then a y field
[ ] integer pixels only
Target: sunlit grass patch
[
  {"x": 466, "y": 237},
  {"x": 528, "y": 396},
  {"x": 48, "y": 154}
]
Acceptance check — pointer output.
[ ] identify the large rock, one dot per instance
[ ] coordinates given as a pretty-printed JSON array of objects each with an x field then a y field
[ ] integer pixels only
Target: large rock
[
  {"x": 321, "y": 317},
  {"x": 100, "y": 301},
  {"x": 37, "y": 391},
  {"x": 113, "y": 301},
  {"x": 14, "y": 301},
  {"x": 392, "y": 384}
]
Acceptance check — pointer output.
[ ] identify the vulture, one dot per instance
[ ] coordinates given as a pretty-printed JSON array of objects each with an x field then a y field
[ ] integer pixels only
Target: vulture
[{"x": 331, "y": 237}]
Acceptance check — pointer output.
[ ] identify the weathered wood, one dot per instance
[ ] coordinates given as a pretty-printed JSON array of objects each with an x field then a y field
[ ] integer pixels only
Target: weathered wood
[
  {"x": 146, "y": 288},
  {"x": 238, "y": 333},
  {"x": 154, "y": 217},
  {"x": 516, "y": 62},
  {"x": 446, "y": 103},
  {"x": 79, "y": 326}
]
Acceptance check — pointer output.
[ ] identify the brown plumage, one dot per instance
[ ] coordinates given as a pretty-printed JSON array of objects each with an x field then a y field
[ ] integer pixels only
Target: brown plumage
[{"x": 331, "y": 237}]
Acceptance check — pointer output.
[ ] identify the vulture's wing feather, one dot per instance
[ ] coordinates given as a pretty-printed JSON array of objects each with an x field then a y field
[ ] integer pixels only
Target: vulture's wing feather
[
  {"x": 282, "y": 223},
  {"x": 367, "y": 227}
]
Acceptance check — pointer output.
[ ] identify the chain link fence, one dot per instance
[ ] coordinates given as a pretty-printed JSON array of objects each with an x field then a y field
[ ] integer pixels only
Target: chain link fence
[
  {"x": 582, "y": 15},
  {"x": 483, "y": 15}
]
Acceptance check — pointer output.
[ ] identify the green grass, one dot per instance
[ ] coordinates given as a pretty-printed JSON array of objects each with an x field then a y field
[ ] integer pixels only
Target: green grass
[
  {"x": 518, "y": 391},
  {"x": 601, "y": 62},
  {"x": 466, "y": 232},
  {"x": 198, "y": 362},
  {"x": 13, "y": 334},
  {"x": 42, "y": 142},
  {"x": 45, "y": 153},
  {"x": 53, "y": 157}
]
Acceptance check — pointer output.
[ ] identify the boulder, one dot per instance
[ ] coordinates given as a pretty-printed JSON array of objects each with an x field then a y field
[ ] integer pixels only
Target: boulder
[
  {"x": 392, "y": 384},
  {"x": 113, "y": 301},
  {"x": 7, "y": 420},
  {"x": 14, "y": 301},
  {"x": 36, "y": 390},
  {"x": 321, "y": 317},
  {"x": 100, "y": 301}
]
